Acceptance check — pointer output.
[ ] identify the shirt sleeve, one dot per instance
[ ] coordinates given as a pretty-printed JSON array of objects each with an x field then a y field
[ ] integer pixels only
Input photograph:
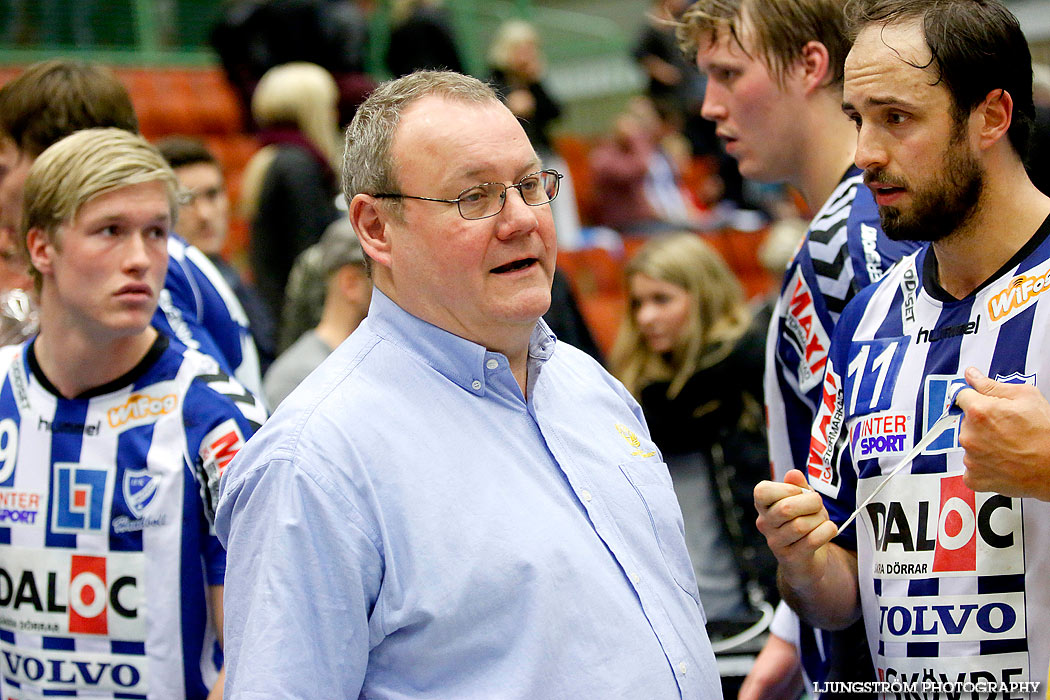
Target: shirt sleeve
[
  {"x": 220, "y": 415},
  {"x": 302, "y": 575}
]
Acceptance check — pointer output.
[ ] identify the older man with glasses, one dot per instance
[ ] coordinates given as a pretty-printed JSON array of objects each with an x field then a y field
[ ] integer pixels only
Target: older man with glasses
[{"x": 455, "y": 504}]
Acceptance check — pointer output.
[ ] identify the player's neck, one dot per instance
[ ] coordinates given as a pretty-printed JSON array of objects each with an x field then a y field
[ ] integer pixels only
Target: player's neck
[
  {"x": 826, "y": 152},
  {"x": 75, "y": 361},
  {"x": 1008, "y": 214}
]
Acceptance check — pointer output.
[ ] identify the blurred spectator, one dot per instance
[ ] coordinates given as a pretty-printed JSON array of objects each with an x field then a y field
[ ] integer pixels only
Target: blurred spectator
[
  {"x": 637, "y": 174},
  {"x": 517, "y": 66},
  {"x": 421, "y": 37},
  {"x": 1038, "y": 160},
  {"x": 675, "y": 84},
  {"x": 253, "y": 36},
  {"x": 289, "y": 187},
  {"x": 341, "y": 276},
  {"x": 204, "y": 221},
  {"x": 691, "y": 354},
  {"x": 671, "y": 76}
]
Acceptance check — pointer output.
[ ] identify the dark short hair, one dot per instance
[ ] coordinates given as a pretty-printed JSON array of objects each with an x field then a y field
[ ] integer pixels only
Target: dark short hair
[
  {"x": 181, "y": 151},
  {"x": 780, "y": 30},
  {"x": 52, "y": 99},
  {"x": 977, "y": 46}
]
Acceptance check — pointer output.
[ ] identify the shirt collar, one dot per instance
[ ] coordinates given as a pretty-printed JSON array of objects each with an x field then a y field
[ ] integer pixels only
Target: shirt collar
[{"x": 460, "y": 360}]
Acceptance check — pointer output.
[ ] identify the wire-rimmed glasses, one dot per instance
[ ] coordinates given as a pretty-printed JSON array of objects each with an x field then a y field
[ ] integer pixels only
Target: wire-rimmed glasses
[{"x": 488, "y": 198}]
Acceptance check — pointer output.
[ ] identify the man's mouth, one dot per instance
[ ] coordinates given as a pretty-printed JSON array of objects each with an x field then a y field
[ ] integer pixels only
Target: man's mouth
[{"x": 515, "y": 265}]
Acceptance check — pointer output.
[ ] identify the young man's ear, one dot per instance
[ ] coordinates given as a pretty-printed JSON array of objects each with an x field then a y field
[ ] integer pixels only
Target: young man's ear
[
  {"x": 41, "y": 250},
  {"x": 814, "y": 66},
  {"x": 370, "y": 223},
  {"x": 992, "y": 118}
]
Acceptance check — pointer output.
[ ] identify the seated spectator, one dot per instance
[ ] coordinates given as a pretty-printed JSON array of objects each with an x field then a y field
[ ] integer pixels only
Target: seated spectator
[
  {"x": 340, "y": 272},
  {"x": 289, "y": 187},
  {"x": 636, "y": 175},
  {"x": 204, "y": 221},
  {"x": 115, "y": 441},
  {"x": 690, "y": 353}
]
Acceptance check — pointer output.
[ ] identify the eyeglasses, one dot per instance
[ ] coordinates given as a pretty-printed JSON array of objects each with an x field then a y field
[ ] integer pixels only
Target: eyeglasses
[{"x": 487, "y": 199}]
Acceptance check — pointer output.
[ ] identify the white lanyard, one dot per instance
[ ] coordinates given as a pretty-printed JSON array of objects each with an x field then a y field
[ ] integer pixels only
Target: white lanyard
[{"x": 950, "y": 418}]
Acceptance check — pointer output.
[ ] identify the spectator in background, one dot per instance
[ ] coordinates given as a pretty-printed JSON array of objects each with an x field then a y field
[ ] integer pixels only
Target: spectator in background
[
  {"x": 347, "y": 290},
  {"x": 637, "y": 180},
  {"x": 289, "y": 187},
  {"x": 675, "y": 85},
  {"x": 51, "y": 100},
  {"x": 204, "y": 220},
  {"x": 517, "y": 66},
  {"x": 421, "y": 37},
  {"x": 1038, "y": 159},
  {"x": 253, "y": 36},
  {"x": 689, "y": 351}
]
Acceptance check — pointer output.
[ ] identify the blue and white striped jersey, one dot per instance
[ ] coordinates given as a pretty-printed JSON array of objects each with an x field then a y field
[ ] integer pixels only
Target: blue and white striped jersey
[
  {"x": 198, "y": 308},
  {"x": 844, "y": 251},
  {"x": 106, "y": 547},
  {"x": 953, "y": 583}
]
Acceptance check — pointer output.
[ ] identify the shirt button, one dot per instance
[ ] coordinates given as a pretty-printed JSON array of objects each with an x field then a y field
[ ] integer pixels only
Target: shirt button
[
  {"x": 682, "y": 668},
  {"x": 492, "y": 363},
  {"x": 475, "y": 385},
  {"x": 585, "y": 495}
]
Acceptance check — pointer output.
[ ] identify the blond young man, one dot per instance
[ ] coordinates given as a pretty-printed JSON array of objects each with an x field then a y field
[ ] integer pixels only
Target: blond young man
[{"x": 114, "y": 439}]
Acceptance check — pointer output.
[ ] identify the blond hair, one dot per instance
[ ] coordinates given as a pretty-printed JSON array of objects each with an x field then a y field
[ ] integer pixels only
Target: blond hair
[
  {"x": 719, "y": 316},
  {"x": 301, "y": 95},
  {"x": 510, "y": 35},
  {"x": 83, "y": 166}
]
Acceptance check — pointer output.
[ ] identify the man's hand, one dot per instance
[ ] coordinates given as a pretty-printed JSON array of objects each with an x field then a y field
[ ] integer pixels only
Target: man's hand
[
  {"x": 818, "y": 579},
  {"x": 796, "y": 525},
  {"x": 1006, "y": 434}
]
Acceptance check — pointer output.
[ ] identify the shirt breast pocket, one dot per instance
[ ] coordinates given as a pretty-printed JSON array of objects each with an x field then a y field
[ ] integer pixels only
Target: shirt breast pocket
[{"x": 652, "y": 483}]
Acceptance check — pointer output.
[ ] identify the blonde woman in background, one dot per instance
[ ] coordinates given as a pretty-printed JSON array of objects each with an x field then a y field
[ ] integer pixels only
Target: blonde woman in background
[
  {"x": 290, "y": 187},
  {"x": 517, "y": 65},
  {"x": 691, "y": 353}
]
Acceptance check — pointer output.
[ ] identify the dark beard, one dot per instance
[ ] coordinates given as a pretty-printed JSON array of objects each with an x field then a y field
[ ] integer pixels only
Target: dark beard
[{"x": 940, "y": 208}]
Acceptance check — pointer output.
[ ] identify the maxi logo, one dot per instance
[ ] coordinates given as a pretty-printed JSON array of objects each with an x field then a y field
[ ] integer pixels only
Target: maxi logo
[
  {"x": 806, "y": 330},
  {"x": 82, "y": 498},
  {"x": 827, "y": 426}
]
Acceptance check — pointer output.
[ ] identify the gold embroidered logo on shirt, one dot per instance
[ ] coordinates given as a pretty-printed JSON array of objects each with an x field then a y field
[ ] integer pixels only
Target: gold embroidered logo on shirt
[{"x": 633, "y": 441}]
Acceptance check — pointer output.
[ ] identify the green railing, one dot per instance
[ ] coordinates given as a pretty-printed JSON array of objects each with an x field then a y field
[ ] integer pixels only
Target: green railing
[{"x": 175, "y": 32}]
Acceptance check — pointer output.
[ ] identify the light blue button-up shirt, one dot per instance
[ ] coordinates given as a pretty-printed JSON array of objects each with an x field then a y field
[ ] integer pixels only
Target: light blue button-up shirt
[{"x": 408, "y": 525}]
